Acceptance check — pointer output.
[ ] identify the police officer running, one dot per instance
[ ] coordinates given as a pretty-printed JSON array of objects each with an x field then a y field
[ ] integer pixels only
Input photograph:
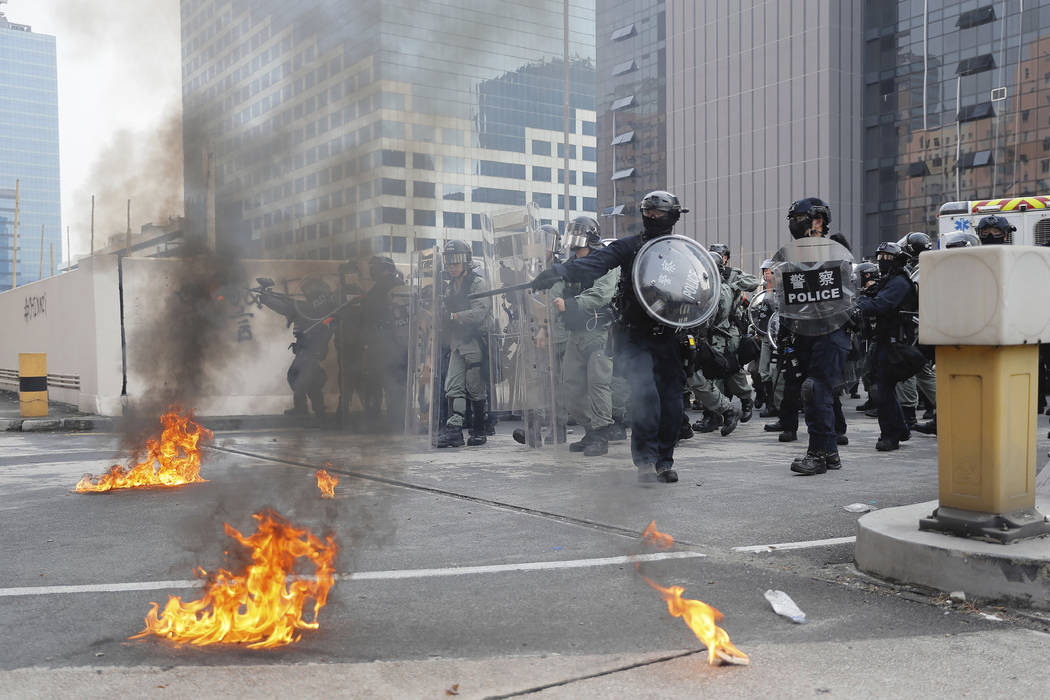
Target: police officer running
[
  {"x": 893, "y": 294},
  {"x": 586, "y": 368},
  {"x": 466, "y": 324},
  {"x": 650, "y": 353}
]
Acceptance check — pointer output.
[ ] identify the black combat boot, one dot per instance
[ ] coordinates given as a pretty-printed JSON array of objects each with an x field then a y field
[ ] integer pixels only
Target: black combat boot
[
  {"x": 909, "y": 416},
  {"x": 887, "y": 444},
  {"x": 709, "y": 423},
  {"x": 685, "y": 432},
  {"x": 760, "y": 394},
  {"x": 788, "y": 436},
  {"x": 832, "y": 460},
  {"x": 617, "y": 431},
  {"x": 729, "y": 421},
  {"x": 927, "y": 428},
  {"x": 746, "y": 408},
  {"x": 774, "y": 427},
  {"x": 666, "y": 474},
  {"x": 478, "y": 428},
  {"x": 598, "y": 445},
  {"x": 452, "y": 437},
  {"x": 299, "y": 407},
  {"x": 814, "y": 462},
  {"x": 581, "y": 444}
]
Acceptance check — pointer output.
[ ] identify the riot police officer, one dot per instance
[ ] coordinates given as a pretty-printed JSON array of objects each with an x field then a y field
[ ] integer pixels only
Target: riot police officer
[
  {"x": 894, "y": 294},
  {"x": 465, "y": 326},
  {"x": 647, "y": 351},
  {"x": 586, "y": 368},
  {"x": 312, "y": 336},
  {"x": 925, "y": 381},
  {"x": 994, "y": 230},
  {"x": 814, "y": 364},
  {"x": 384, "y": 327}
]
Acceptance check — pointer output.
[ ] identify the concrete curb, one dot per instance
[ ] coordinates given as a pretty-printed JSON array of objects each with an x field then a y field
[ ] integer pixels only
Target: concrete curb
[{"x": 891, "y": 546}]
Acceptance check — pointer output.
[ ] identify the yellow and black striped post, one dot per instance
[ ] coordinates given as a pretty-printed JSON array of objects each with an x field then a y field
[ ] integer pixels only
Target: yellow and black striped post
[{"x": 32, "y": 384}]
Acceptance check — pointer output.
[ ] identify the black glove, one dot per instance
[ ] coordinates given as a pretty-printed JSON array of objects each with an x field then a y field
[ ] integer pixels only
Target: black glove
[{"x": 546, "y": 279}]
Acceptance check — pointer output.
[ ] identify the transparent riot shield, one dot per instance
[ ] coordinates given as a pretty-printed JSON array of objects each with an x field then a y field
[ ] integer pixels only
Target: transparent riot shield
[
  {"x": 676, "y": 281},
  {"x": 423, "y": 400},
  {"x": 523, "y": 355},
  {"x": 814, "y": 285},
  {"x": 761, "y": 310}
]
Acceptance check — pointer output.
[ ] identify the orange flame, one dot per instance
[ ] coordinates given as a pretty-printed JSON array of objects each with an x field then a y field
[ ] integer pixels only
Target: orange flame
[
  {"x": 172, "y": 460},
  {"x": 326, "y": 482},
  {"x": 699, "y": 616},
  {"x": 660, "y": 540},
  {"x": 262, "y": 607}
]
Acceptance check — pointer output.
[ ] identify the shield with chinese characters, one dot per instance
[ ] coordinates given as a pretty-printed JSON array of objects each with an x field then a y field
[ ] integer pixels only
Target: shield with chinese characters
[
  {"x": 814, "y": 285},
  {"x": 676, "y": 281}
]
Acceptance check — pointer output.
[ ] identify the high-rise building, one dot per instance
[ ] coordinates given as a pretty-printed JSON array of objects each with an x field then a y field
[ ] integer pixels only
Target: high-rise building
[
  {"x": 885, "y": 109},
  {"x": 28, "y": 153},
  {"x": 333, "y": 128},
  {"x": 632, "y": 90}
]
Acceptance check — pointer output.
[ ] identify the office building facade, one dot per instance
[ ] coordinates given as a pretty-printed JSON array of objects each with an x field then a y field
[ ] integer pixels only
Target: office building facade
[
  {"x": 328, "y": 129},
  {"x": 631, "y": 53},
  {"x": 29, "y": 160}
]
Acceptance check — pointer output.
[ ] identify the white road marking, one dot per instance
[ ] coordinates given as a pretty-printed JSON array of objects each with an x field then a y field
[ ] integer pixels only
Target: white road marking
[
  {"x": 367, "y": 575},
  {"x": 795, "y": 545}
]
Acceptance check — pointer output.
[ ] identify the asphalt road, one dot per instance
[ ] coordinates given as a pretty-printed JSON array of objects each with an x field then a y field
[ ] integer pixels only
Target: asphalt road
[{"x": 495, "y": 569}]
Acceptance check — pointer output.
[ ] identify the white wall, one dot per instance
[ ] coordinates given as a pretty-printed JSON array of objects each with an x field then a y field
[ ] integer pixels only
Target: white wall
[{"x": 242, "y": 365}]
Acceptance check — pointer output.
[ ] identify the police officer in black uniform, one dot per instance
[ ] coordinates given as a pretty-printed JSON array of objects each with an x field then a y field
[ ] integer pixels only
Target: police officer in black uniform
[
  {"x": 893, "y": 295},
  {"x": 994, "y": 230},
  {"x": 817, "y": 363},
  {"x": 648, "y": 352}
]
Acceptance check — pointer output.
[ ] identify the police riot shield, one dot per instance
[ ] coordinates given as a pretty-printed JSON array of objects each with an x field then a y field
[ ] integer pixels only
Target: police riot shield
[
  {"x": 761, "y": 310},
  {"x": 523, "y": 346},
  {"x": 814, "y": 285},
  {"x": 424, "y": 381},
  {"x": 677, "y": 281}
]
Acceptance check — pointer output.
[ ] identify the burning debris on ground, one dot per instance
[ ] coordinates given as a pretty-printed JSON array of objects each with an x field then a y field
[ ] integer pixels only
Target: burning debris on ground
[
  {"x": 261, "y": 606},
  {"x": 326, "y": 482},
  {"x": 172, "y": 459}
]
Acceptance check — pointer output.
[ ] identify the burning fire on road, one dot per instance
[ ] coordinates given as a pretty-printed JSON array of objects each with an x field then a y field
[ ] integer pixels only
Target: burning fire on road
[
  {"x": 173, "y": 459},
  {"x": 699, "y": 616},
  {"x": 262, "y": 606},
  {"x": 326, "y": 482}
]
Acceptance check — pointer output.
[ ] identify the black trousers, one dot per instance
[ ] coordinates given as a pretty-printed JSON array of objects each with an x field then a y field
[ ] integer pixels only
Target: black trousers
[{"x": 652, "y": 365}]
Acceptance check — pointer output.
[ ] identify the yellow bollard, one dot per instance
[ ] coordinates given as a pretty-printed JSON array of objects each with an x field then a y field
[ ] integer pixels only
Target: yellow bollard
[
  {"x": 984, "y": 309},
  {"x": 32, "y": 384}
]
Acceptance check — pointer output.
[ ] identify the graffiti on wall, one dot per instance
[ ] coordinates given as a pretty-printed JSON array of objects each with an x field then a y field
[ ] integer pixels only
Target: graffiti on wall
[{"x": 35, "y": 306}]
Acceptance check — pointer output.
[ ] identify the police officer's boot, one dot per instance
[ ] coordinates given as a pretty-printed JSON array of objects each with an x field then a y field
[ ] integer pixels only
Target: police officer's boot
[
  {"x": 299, "y": 407},
  {"x": 774, "y": 427},
  {"x": 760, "y": 394},
  {"x": 769, "y": 410},
  {"x": 927, "y": 428},
  {"x": 617, "y": 431},
  {"x": 685, "y": 432},
  {"x": 478, "y": 429},
  {"x": 730, "y": 419},
  {"x": 581, "y": 444},
  {"x": 909, "y": 416},
  {"x": 598, "y": 445},
  {"x": 709, "y": 423},
  {"x": 452, "y": 437},
  {"x": 814, "y": 462},
  {"x": 746, "y": 407}
]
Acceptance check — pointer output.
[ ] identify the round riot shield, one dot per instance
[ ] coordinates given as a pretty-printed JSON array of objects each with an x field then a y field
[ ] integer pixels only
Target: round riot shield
[
  {"x": 773, "y": 331},
  {"x": 814, "y": 285},
  {"x": 676, "y": 281},
  {"x": 761, "y": 309}
]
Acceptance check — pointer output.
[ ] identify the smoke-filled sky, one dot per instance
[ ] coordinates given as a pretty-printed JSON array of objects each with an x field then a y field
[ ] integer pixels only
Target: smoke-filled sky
[{"x": 119, "y": 101}]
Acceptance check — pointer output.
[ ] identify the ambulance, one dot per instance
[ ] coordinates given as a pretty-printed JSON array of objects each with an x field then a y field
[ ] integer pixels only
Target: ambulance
[{"x": 1031, "y": 216}]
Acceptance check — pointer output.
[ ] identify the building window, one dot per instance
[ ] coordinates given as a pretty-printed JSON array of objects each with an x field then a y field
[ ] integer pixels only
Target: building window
[
  {"x": 425, "y": 243},
  {"x": 561, "y": 202},
  {"x": 590, "y": 153},
  {"x": 625, "y": 67},
  {"x": 622, "y": 174},
  {"x": 625, "y": 137},
  {"x": 393, "y": 187},
  {"x": 453, "y": 192},
  {"x": 394, "y": 159},
  {"x": 475, "y": 221},
  {"x": 971, "y": 113},
  {"x": 422, "y": 132},
  {"x": 423, "y": 189},
  {"x": 622, "y": 103},
  {"x": 476, "y": 249},
  {"x": 572, "y": 150},
  {"x": 589, "y": 128},
  {"x": 561, "y": 177},
  {"x": 494, "y": 168},
  {"x": 973, "y": 18},
  {"x": 975, "y": 64},
  {"x": 590, "y": 179},
  {"x": 422, "y": 161},
  {"x": 450, "y": 164},
  {"x": 622, "y": 33},
  {"x": 494, "y": 195},
  {"x": 542, "y": 199},
  {"x": 391, "y": 215},
  {"x": 453, "y": 219},
  {"x": 541, "y": 174},
  {"x": 541, "y": 148},
  {"x": 424, "y": 217}
]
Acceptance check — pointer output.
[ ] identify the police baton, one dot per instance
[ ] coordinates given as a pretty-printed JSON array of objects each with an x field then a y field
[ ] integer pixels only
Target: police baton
[{"x": 501, "y": 290}]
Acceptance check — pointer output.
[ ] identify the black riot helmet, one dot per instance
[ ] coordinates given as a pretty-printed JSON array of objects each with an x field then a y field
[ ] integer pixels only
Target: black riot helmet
[
  {"x": 660, "y": 212},
  {"x": 959, "y": 239},
  {"x": 995, "y": 230},
  {"x": 914, "y": 243},
  {"x": 865, "y": 272},
  {"x": 803, "y": 212},
  {"x": 891, "y": 258},
  {"x": 381, "y": 267},
  {"x": 583, "y": 232},
  {"x": 456, "y": 252},
  {"x": 721, "y": 253}
]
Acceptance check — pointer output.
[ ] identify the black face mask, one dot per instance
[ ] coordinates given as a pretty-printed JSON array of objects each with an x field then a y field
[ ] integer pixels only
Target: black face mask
[
  {"x": 657, "y": 227},
  {"x": 887, "y": 267},
  {"x": 799, "y": 227}
]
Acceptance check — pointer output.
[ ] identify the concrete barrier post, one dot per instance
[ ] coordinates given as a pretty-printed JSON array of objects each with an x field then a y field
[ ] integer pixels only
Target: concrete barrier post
[
  {"x": 985, "y": 310},
  {"x": 32, "y": 384}
]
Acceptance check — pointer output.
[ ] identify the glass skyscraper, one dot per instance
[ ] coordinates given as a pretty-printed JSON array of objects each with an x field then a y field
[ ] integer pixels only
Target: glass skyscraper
[
  {"x": 325, "y": 128},
  {"x": 28, "y": 152}
]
